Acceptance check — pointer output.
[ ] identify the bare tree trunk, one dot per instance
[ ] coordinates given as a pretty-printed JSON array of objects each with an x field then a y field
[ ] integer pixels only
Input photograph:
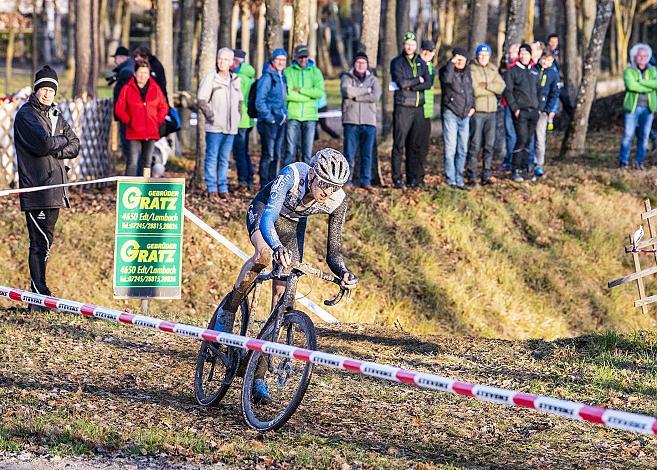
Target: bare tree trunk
[
  {"x": 478, "y": 24},
  {"x": 588, "y": 19},
  {"x": 9, "y": 62},
  {"x": 115, "y": 28},
  {"x": 127, "y": 24},
  {"x": 260, "y": 38},
  {"x": 529, "y": 22},
  {"x": 225, "y": 22},
  {"x": 515, "y": 23},
  {"x": 312, "y": 32},
  {"x": 389, "y": 53},
  {"x": 207, "y": 63},
  {"x": 234, "y": 21},
  {"x": 245, "y": 28},
  {"x": 301, "y": 16},
  {"x": 573, "y": 60},
  {"x": 48, "y": 30},
  {"x": 186, "y": 63},
  {"x": 274, "y": 31},
  {"x": 339, "y": 40},
  {"x": 501, "y": 30},
  {"x": 575, "y": 140},
  {"x": 624, "y": 12},
  {"x": 164, "y": 41},
  {"x": 370, "y": 29},
  {"x": 449, "y": 18},
  {"x": 403, "y": 12},
  {"x": 83, "y": 82},
  {"x": 58, "y": 40},
  {"x": 549, "y": 16},
  {"x": 103, "y": 34},
  {"x": 323, "y": 49},
  {"x": 70, "y": 37},
  {"x": 613, "y": 57}
]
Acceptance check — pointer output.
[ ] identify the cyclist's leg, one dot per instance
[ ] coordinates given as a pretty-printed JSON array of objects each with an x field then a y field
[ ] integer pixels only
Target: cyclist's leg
[{"x": 288, "y": 232}]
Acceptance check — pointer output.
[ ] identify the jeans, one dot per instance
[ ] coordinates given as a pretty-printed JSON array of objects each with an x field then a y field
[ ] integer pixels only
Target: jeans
[
  {"x": 639, "y": 121},
  {"x": 408, "y": 127},
  {"x": 360, "y": 137},
  {"x": 456, "y": 132},
  {"x": 242, "y": 158},
  {"x": 510, "y": 131},
  {"x": 217, "y": 155},
  {"x": 303, "y": 131},
  {"x": 271, "y": 144},
  {"x": 525, "y": 125},
  {"x": 482, "y": 127},
  {"x": 141, "y": 156},
  {"x": 540, "y": 138}
]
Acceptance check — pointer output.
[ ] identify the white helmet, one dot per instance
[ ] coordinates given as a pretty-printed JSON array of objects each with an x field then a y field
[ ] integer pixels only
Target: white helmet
[{"x": 330, "y": 166}]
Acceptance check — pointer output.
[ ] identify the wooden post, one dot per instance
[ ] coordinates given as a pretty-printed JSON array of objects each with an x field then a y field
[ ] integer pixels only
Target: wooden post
[
  {"x": 651, "y": 225},
  {"x": 639, "y": 281}
]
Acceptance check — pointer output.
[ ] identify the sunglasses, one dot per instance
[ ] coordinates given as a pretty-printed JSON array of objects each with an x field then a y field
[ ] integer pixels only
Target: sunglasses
[{"x": 328, "y": 188}]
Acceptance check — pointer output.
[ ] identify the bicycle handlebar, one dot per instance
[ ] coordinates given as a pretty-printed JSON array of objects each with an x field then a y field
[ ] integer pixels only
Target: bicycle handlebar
[{"x": 309, "y": 270}]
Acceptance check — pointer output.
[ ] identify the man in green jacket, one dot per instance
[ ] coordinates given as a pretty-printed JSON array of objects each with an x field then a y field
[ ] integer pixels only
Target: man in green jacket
[
  {"x": 639, "y": 105},
  {"x": 488, "y": 85},
  {"x": 246, "y": 73},
  {"x": 427, "y": 52},
  {"x": 305, "y": 85}
]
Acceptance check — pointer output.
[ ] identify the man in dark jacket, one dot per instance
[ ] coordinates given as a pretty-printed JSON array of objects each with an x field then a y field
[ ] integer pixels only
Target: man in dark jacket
[
  {"x": 43, "y": 140},
  {"x": 458, "y": 105},
  {"x": 123, "y": 72},
  {"x": 521, "y": 94},
  {"x": 411, "y": 75}
]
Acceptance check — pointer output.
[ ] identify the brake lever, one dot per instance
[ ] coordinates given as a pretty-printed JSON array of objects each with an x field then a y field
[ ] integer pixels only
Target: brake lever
[{"x": 337, "y": 298}]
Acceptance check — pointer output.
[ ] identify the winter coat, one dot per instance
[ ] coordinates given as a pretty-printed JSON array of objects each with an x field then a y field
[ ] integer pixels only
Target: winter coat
[
  {"x": 359, "y": 98},
  {"x": 141, "y": 117},
  {"x": 406, "y": 74},
  {"x": 246, "y": 72},
  {"x": 429, "y": 93},
  {"x": 43, "y": 140},
  {"x": 486, "y": 98},
  {"x": 457, "y": 92},
  {"x": 302, "y": 105},
  {"x": 548, "y": 82},
  {"x": 220, "y": 99},
  {"x": 270, "y": 96},
  {"x": 522, "y": 85},
  {"x": 634, "y": 85}
]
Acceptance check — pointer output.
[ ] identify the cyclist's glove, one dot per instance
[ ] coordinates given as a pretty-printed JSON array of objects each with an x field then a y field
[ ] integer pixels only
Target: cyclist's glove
[
  {"x": 282, "y": 256},
  {"x": 349, "y": 280}
]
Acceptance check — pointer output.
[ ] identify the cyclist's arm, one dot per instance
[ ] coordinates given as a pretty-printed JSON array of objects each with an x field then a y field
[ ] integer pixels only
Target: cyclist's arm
[
  {"x": 335, "y": 226},
  {"x": 279, "y": 189}
]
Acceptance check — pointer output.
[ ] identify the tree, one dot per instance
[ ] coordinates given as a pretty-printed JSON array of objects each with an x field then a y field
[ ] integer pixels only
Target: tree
[
  {"x": 515, "y": 23},
  {"x": 207, "y": 63},
  {"x": 389, "y": 53},
  {"x": 225, "y": 22},
  {"x": 575, "y": 140},
  {"x": 403, "y": 9},
  {"x": 369, "y": 36},
  {"x": 624, "y": 12},
  {"x": 164, "y": 41},
  {"x": 13, "y": 19},
  {"x": 312, "y": 32},
  {"x": 70, "y": 37},
  {"x": 185, "y": 62},
  {"x": 572, "y": 63},
  {"x": 245, "y": 11},
  {"x": 301, "y": 17},
  {"x": 260, "y": 37},
  {"x": 478, "y": 24},
  {"x": 117, "y": 22},
  {"x": 274, "y": 30},
  {"x": 86, "y": 58}
]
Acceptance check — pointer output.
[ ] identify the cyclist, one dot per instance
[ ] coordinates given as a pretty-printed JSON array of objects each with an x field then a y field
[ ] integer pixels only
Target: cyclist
[{"x": 276, "y": 222}]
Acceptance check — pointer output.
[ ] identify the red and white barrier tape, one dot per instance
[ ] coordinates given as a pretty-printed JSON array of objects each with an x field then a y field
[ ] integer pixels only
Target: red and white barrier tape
[{"x": 578, "y": 411}]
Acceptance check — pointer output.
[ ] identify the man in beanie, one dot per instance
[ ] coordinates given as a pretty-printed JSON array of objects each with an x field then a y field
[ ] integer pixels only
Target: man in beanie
[
  {"x": 427, "y": 52},
  {"x": 488, "y": 85},
  {"x": 360, "y": 91},
  {"x": 43, "y": 140},
  {"x": 271, "y": 89},
  {"x": 457, "y": 104},
  {"x": 305, "y": 86},
  {"x": 521, "y": 94},
  {"x": 246, "y": 72},
  {"x": 412, "y": 77}
]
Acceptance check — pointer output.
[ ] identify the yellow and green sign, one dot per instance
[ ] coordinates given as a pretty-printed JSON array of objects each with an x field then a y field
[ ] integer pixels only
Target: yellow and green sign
[{"x": 148, "y": 241}]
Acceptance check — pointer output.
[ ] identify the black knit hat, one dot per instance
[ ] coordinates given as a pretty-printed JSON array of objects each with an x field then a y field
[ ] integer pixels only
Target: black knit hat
[
  {"x": 46, "y": 77},
  {"x": 459, "y": 51},
  {"x": 526, "y": 47},
  {"x": 360, "y": 55}
]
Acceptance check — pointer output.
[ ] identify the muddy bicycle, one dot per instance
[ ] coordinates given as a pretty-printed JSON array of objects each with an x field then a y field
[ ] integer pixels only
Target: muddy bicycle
[{"x": 218, "y": 365}]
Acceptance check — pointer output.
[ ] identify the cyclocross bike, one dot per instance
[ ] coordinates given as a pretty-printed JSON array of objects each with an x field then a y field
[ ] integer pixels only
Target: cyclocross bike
[{"x": 217, "y": 365}]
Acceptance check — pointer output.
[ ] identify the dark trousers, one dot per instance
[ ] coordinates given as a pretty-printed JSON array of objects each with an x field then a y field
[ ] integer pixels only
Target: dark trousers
[
  {"x": 242, "y": 158},
  {"x": 359, "y": 137},
  {"x": 41, "y": 228},
  {"x": 271, "y": 143},
  {"x": 525, "y": 126},
  {"x": 141, "y": 156},
  {"x": 408, "y": 128},
  {"x": 482, "y": 133}
]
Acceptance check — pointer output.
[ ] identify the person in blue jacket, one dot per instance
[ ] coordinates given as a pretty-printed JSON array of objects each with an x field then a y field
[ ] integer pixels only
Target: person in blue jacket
[
  {"x": 548, "y": 95},
  {"x": 272, "y": 114}
]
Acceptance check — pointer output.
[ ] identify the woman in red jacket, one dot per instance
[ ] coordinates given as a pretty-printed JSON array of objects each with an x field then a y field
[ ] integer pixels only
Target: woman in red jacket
[{"x": 142, "y": 107}]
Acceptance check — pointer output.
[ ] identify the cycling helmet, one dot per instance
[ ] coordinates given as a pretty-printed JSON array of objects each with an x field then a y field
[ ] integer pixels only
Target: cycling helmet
[{"x": 330, "y": 166}]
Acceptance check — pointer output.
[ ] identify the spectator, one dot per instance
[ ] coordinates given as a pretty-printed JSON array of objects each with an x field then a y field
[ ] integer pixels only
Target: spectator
[
  {"x": 246, "y": 74},
  {"x": 509, "y": 130},
  {"x": 548, "y": 79},
  {"x": 553, "y": 47},
  {"x": 157, "y": 69},
  {"x": 411, "y": 75},
  {"x": 521, "y": 94},
  {"x": 457, "y": 103},
  {"x": 220, "y": 98},
  {"x": 488, "y": 86},
  {"x": 639, "y": 104},
  {"x": 305, "y": 85},
  {"x": 142, "y": 107},
  {"x": 43, "y": 140},
  {"x": 123, "y": 72},
  {"x": 537, "y": 52},
  {"x": 564, "y": 95},
  {"x": 427, "y": 52},
  {"x": 360, "y": 92},
  {"x": 272, "y": 114}
]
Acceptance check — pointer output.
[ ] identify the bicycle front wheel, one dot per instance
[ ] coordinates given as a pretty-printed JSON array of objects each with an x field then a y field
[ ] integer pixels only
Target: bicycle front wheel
[{"x": 286, "y": 380}]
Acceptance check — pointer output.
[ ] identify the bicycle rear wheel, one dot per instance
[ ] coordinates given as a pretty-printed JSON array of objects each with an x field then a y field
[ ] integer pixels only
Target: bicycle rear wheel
[
  {"x": 287, "y": 379},
  {"x": 217, "y": 365}
]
